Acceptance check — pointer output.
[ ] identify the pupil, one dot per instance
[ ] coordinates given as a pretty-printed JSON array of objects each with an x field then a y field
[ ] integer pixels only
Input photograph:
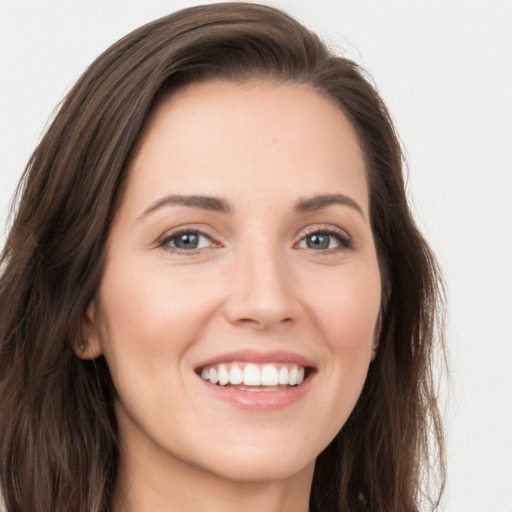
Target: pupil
[
  {"x": 318, "y": 241},
  {"x": 187, "y": 241}
]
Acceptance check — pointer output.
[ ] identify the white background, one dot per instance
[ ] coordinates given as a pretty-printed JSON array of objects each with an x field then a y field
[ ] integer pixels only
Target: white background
[{"x": 445, "y": 70}]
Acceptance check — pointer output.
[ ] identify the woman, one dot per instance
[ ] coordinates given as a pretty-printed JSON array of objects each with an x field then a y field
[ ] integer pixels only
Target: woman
[{"x": 213, "y": 294}]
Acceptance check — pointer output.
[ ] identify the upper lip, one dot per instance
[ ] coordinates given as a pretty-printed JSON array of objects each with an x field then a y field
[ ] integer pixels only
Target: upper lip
[{"x": 256, "y": 356}]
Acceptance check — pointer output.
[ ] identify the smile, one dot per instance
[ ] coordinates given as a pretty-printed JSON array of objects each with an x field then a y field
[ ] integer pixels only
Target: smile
[
  {"x": 254, "y": 377},
  {"x": 252, "y": 380}
]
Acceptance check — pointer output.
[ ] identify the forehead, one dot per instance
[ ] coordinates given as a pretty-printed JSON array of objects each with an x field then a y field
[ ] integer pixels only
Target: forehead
[{"x": 221, "y": 138}]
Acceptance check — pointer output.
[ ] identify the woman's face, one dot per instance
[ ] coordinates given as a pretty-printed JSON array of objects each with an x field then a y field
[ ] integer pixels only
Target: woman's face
[{"x": 242, "y": 251}]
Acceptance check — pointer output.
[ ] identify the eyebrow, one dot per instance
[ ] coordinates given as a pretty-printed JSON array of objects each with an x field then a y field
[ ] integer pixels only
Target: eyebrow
[
  {"x": 318, "y": 202},
  {"x": 219, "y": 205},
  {"x": 209, "y": 203}
]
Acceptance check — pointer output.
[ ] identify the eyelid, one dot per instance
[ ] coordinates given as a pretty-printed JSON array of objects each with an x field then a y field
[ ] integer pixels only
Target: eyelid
[
  {"x": 346, "y": 241},
  {"x": 163, "y": 240}
]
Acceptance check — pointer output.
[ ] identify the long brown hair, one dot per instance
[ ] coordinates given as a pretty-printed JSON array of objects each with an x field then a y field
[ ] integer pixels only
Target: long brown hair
[{"x": 58, "y": 434}]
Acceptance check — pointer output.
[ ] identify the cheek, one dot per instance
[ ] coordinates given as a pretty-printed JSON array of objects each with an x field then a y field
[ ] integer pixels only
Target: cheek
[
  {"x": 151, "y": 315},
  {"x": 347, "y": 317},
  {"x": 347, "y": 313},
  {"x": 344, "y": 317}
]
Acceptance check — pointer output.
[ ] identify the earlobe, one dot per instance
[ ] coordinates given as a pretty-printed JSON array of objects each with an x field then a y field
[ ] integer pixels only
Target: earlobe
[{"x": 88, "y": 346}]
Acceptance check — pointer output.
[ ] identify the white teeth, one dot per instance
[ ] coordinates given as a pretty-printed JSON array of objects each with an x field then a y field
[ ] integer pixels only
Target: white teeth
[
  {"x": 283, "y": 375},
  {"x": 223, "y": 375},
  {"x": 292, "y": 376},
  {"x": 214, "y": 377},
  {"x": 269, "y": 375},
  {"x": 252, "y": 375},
  {"x": 235, "y": 375}
]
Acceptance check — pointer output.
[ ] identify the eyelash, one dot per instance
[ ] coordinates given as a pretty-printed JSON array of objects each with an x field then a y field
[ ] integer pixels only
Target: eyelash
[
  {"x": 344, "y": 240},
  {"x": 165, "y": 243}
]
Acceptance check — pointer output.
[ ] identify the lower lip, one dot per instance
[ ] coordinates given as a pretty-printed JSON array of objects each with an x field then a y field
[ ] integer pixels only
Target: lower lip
[{"x": 259, "y": 400}]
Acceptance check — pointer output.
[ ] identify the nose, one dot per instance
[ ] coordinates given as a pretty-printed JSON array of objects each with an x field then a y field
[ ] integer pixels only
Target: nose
[{"x": 261, "y": 291}]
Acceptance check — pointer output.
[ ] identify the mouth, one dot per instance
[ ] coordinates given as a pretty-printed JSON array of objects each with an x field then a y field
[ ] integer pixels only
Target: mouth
[
  {"x": 258, "y": 381},
  {"x": 255, "y": 377}
]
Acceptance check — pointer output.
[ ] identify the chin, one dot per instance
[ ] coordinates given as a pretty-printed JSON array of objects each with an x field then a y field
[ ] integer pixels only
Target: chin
[{"x": 262, "y": 464}]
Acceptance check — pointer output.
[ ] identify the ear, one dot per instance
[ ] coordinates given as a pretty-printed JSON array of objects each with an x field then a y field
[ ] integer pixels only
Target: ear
[{"x": 89, "y": 344}]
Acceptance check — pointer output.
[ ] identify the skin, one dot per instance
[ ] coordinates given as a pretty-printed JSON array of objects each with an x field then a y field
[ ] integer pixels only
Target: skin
[{"x": 255, "y": 282}]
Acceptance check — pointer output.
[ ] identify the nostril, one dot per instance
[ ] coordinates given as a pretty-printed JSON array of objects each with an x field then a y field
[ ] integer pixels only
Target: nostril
[{"x": 264, "y": 323}]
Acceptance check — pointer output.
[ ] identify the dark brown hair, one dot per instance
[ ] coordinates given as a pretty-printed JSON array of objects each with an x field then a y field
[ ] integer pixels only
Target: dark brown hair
[{"x": 58, "y": 434}]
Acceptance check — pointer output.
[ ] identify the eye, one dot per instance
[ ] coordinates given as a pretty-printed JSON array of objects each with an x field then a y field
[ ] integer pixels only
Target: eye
[
  {"x": 326, "y": 240},
  {"x": 185, "y": 241}
]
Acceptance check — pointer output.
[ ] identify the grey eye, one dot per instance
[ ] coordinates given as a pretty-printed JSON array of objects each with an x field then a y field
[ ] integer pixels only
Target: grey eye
[
  {"x": 318, "y": 241},
  {"x": 187, "y": 241},
  {"x": 325, "y": 241}
]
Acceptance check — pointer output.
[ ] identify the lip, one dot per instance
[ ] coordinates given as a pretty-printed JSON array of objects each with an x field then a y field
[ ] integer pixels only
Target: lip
[
  {"x": 259, "y": 400},
  {"x": 255, "y": 356}
]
